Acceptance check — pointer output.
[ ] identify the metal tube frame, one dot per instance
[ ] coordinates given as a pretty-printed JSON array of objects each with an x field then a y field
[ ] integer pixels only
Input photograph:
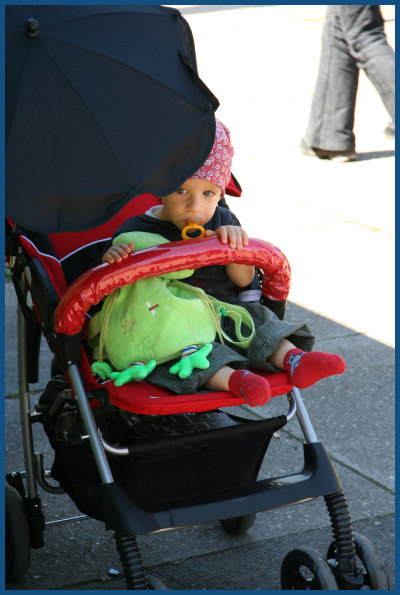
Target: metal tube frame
[
  {"x": 24, "y": 399},
  {"x": 303, "y": 418},
  {"x": 90, "y": 424}
]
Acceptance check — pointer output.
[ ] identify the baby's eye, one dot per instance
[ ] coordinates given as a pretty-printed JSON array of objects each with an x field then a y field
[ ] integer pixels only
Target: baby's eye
[
  {"x": 208, "y": 193},
  {"x": 181, "y": 191}
]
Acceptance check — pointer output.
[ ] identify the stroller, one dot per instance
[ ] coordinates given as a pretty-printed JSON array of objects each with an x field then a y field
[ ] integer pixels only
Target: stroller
[{"x": 139, "y": 458}]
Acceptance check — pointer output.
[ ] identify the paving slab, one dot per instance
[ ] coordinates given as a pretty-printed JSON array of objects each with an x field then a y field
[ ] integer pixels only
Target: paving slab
[
  {"x": 255, "y": 567},
  {"x": 354, "y": 413}
]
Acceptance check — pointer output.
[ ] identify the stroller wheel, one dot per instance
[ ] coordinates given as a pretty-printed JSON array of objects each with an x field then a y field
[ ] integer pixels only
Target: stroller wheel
[
  {"x": 305, "y": 569},
  {"x": 373, "y": 566},
  {"x": 238, "y": 525},
  {"x": 17, "y": 538}
]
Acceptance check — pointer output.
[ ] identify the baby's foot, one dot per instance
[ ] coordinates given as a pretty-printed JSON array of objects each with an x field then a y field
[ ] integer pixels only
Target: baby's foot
[
  {"x": 254, "y": 389},
  {"x": 306, "y": 368}
]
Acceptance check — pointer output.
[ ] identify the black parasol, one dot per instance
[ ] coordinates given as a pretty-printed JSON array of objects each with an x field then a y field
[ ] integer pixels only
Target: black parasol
[{"x": 103, "y": 103}]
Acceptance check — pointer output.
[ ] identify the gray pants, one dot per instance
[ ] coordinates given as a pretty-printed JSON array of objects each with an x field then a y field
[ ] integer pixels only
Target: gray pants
[
  {"x": 269, "y": 331},
  {"x": 353, "y": 38}
]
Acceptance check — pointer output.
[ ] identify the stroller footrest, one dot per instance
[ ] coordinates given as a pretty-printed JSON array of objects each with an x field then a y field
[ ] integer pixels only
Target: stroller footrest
[{"x": 318, "y": 478}]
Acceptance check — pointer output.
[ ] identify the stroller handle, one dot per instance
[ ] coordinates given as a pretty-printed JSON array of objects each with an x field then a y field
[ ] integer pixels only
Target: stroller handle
[{"x": 91, "y": 287}]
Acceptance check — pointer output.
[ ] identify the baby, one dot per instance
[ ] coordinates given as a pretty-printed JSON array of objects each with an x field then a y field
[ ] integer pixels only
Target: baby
[{"x": 277, "y": 345}]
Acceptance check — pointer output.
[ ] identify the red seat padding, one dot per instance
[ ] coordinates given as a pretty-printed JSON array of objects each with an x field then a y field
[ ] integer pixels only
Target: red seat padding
[
  {"x": 152, "y": 400},
  {"x": 147, "y": 399}
]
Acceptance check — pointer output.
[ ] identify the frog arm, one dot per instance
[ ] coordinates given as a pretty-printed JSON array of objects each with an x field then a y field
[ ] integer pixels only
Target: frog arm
[
  {"x": 138, "y": 371},
  {"x": 141, "y": 239},
  {"x": 178, "y": 274},
  {"x": 145, "y": 239},
  {"x": 196, "y": 359}
]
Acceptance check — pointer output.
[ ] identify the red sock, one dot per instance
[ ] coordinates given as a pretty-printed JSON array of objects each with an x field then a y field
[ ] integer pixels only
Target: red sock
[
  {"x": 254, "y": 389},
  {"x": 306, "y": 368}
]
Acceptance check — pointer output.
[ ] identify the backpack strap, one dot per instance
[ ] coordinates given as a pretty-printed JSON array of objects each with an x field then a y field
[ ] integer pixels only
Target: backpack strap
[{"x": 218, "y": 309}]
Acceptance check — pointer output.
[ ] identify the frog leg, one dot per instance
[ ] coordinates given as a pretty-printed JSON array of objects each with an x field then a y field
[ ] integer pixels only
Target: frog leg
[
  {"x": 138, "y": 371},
  {"x": 192, "y": 358},
  {"x": 102, "y": 369}
]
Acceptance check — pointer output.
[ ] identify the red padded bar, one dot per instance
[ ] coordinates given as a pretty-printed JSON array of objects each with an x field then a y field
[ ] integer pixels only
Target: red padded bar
[{"x": 91, "y": 287}]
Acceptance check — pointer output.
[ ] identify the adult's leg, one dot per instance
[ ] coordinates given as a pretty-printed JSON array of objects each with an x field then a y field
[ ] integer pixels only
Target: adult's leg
[
  {"x": 331, "y": 120},
  {"x": 363, "y": 30}
]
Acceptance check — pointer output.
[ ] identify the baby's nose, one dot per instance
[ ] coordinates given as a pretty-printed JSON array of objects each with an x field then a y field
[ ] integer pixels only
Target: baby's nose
[{"x": 195, "y": 201}]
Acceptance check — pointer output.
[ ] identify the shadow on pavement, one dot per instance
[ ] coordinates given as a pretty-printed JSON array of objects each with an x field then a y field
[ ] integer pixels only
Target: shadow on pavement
[{"x": 375, "y": 155}]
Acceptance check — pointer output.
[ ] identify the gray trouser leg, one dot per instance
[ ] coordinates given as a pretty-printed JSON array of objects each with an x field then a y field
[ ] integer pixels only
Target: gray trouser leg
[{"x": 353, "y": 38}]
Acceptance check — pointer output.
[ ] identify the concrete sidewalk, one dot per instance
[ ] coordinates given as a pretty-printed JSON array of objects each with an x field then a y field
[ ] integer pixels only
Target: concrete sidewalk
[{"x": 335, "y": 223}]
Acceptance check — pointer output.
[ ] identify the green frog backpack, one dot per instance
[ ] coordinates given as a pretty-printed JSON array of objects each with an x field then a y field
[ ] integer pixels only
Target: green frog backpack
[{"x": 158, "y": 319}]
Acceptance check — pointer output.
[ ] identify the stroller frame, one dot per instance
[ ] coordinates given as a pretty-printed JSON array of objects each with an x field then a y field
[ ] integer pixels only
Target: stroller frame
[{"x": 317, "y": 478}]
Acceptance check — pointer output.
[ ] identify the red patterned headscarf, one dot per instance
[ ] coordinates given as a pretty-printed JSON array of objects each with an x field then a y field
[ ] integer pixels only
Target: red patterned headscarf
[{"x": 217, "y": 166}]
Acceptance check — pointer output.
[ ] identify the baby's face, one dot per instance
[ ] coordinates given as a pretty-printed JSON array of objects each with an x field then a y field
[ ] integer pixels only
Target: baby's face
[{"x": 196, "y": 200}]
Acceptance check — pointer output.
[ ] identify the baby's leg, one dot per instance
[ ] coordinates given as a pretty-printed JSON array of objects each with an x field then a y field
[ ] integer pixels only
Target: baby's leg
[
  {"x": 306, "y": 368},
  {"x": 278, "y": 357},
  {"x": 242, "y": 383}
]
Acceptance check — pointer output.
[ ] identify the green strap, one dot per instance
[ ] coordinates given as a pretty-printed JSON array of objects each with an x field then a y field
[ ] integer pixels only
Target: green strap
[
  {"x": 240, "y": 316},
  {"x": 104, "y": 323},
  {"x": 217, "y": 309}
]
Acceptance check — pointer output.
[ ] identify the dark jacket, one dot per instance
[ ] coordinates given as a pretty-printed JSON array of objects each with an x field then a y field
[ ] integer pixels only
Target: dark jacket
[{"x": 212, "y": 279}]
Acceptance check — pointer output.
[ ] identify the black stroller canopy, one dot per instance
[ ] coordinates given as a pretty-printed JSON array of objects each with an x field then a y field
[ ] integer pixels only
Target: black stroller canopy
[{"x": 103, "y": 103}]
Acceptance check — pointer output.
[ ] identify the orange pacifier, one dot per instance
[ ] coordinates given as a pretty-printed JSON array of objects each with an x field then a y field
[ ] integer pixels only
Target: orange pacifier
[{"x": 193, "y": 226}]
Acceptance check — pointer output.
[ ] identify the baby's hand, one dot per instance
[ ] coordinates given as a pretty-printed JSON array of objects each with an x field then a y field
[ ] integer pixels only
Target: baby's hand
[
  {"x": 118, "y": 252},
  {"x": 235, "y": 236}
]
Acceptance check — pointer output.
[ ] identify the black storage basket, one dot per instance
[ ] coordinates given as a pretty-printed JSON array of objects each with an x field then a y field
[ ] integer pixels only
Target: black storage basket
[
  {"x": 171, "y": 457},
  {"x": 213, "y": 451}
]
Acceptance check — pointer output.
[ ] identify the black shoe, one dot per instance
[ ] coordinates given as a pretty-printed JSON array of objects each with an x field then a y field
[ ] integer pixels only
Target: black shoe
[
  {"x": 336, "y": 156},
  {"x": 389, "y": 131}
]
